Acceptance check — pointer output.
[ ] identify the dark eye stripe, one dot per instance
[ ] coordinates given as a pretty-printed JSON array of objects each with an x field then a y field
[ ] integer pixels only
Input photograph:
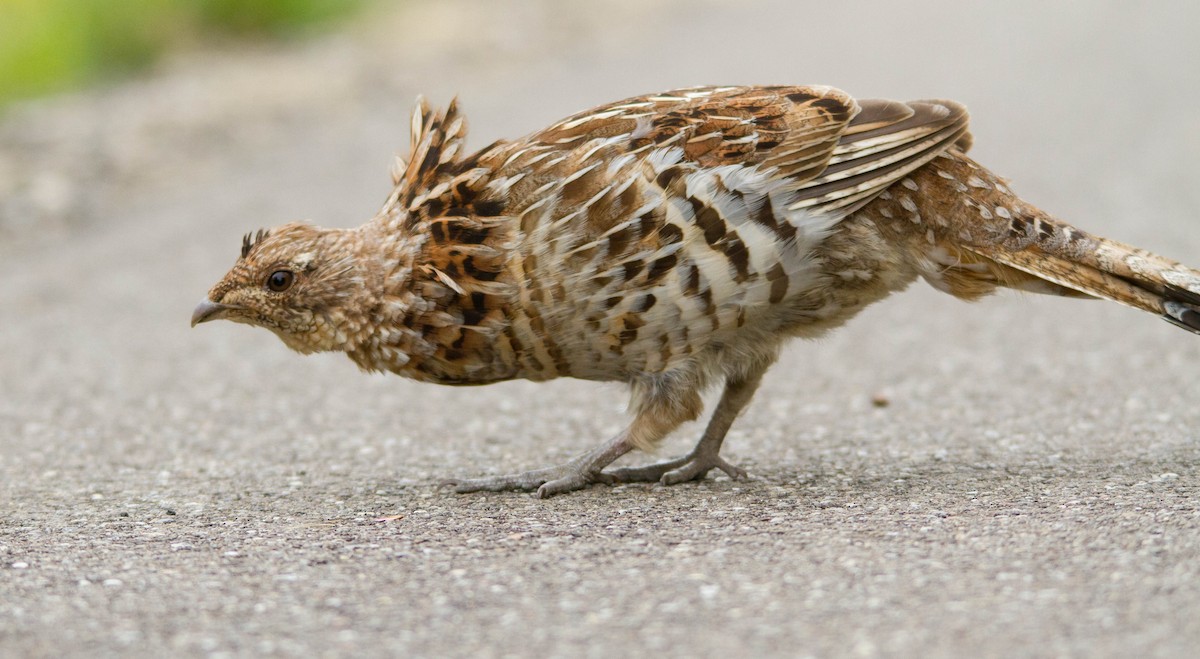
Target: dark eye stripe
[{"x": 280, "y": 280}]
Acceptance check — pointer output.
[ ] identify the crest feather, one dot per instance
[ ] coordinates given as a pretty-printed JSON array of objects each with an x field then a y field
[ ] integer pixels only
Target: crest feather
[
  {"x": 435, "y": 151},
  {"x": 252, "y": 239}
]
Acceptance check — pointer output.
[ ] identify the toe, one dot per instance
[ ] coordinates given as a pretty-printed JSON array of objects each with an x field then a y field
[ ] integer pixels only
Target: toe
[
  {"x": 560, "y": 486},
  {"x": 698, "y": 467},
  {"x": 571, "y": 482},
  {"x": 733, "y": 472},
  {"x": 651, "y": 473},
  {"x": 688, "y": 472},
  {"x": 526, "y": 481}
]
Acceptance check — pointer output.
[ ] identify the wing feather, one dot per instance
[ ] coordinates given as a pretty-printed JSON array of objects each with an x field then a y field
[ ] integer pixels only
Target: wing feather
[
  {"x": 873, "y": 155},
  {"x": 837, "y": 152}
]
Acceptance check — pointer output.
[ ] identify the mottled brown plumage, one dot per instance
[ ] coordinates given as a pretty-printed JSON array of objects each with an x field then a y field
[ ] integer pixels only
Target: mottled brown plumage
[{"x": 672, "y": 242}]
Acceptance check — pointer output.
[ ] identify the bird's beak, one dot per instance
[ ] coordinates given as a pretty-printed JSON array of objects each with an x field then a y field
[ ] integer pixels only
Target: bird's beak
[{"x": 209, "y": 310}]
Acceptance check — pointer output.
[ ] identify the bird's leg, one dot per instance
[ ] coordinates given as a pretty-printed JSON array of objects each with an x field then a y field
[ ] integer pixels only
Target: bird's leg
[
  {"x": 706, "y": 454},
  {"x": 656, "y": 416}
]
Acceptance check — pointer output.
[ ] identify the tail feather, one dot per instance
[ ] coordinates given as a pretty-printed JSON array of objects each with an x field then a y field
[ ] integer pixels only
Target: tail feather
[
  {"x": 1178, "y": 310},
  {"x": 968, "y": 232},
  {"x": 1177, "y": 294},
  {"x": 1175, "y": 286},
  {"x": 1106, "y": 269}
]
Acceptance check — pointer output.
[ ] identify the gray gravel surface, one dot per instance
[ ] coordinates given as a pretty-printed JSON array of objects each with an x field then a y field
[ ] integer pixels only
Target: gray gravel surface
[{"x": 1030, "y": 487}]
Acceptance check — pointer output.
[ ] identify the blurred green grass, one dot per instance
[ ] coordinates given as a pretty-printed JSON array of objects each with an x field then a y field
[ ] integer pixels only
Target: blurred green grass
[{"x": 48, "y": 46}]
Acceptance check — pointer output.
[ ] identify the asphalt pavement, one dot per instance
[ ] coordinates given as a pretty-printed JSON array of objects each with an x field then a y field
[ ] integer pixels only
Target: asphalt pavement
[{"x": 1014, "y": 477}]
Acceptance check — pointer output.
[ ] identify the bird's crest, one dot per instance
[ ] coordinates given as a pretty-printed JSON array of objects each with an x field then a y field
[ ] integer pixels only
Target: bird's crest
[
  {"x": 436, "y": 144},
  {"x": 252, "y": 240}
]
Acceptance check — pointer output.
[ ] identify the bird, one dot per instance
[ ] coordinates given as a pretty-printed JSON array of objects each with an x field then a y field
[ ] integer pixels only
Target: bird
[{"x": 673, "y": 242}]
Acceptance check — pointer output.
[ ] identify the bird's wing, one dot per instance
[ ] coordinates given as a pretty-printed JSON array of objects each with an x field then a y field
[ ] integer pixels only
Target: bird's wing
[{"x": 836, "y": 153}]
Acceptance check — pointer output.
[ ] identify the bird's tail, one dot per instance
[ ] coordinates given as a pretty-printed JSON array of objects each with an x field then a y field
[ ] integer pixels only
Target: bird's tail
[
  {"x": 1051, "y": 250},
  {"x": 968, "y": 233}
]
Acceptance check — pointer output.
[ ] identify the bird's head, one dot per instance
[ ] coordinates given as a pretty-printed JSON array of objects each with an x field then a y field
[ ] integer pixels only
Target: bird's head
[{"x": 304, "y": 283}]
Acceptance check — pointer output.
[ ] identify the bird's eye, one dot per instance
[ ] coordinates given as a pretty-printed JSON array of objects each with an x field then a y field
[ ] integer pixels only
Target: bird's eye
[{"x": 280, "y": 280}]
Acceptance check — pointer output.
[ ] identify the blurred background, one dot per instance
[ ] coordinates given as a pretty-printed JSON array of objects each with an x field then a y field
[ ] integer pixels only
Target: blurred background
[
  {"x": 49, "y": 46},
  {"x": 140, "y": 139}
]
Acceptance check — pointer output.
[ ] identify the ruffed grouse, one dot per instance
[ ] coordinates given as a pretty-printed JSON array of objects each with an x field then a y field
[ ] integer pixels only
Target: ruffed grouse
[{"x": 669, "y": 241}]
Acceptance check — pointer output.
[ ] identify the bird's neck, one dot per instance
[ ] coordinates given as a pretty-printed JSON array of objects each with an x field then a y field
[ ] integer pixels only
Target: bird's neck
[
  {"x": 424, "y": 324},
  {"x": 387, "y": 340}
]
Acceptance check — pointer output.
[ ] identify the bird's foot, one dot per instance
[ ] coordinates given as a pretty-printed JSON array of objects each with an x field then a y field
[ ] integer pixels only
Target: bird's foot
[
  {"x": 574, "y": 475},
  {"x": 693, "y": 466}
]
